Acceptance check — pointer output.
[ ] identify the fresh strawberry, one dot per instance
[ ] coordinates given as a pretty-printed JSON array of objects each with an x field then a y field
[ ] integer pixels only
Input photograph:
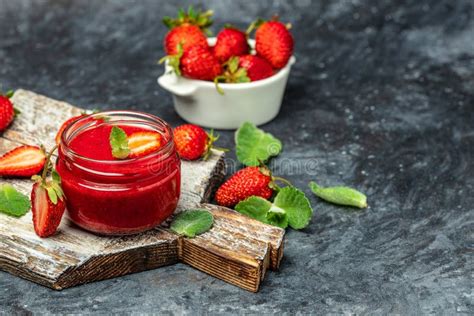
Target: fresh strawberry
[
  {"x": 64, "y": 125},
  {"x": 230, "y": 42},
  {"x": 244, "y": 183},
  {"x": 143, "y": 143},
  {"x": 23, "y": 161},
  {"x": 244, "y": 69},
  {"x": 257, "y": 67},
  {"x": 198, "y": 62},
  {"x": 186, "y": 35},
  {"x": 47, "y": 202},
  {"x": 274, "y": 42},
  {"x": 192, "y": 142},
  {"x": 187, "y": 29},
  {"x": 7, "y": 112}
]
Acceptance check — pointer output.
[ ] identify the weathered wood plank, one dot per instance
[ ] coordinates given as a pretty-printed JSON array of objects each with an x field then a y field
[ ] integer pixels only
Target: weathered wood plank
[
  {"x": 238, "y": 225},
  {"x": 237, "y": 249}
]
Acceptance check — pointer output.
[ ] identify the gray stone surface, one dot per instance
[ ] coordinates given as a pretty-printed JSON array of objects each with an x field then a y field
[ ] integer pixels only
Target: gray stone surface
[{"x": 381, "y": 98}]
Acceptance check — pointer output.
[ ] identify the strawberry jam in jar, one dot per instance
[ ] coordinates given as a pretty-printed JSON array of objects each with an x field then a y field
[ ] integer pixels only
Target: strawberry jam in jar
[{"x": 112, "y": 196}]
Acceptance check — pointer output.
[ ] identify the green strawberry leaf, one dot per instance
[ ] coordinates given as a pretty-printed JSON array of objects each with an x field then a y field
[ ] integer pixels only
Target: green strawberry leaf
[
  {"x": 52, "y": 195},
  {"x": 191, "y": 223},
  {"x": 13, "y": 202},
  {"x": 119, "y": 143},
  {"x": 296, "y": 205},
  {"x": 254, "y": 207},
  {"x": 340, "y": 195},
  {"x": 254, "y": 145},
  {"x": 55, "y": 176}
]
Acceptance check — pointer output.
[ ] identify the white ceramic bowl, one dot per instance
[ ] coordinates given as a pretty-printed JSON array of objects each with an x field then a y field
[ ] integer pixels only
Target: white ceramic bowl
[{"x": 198, "y": 101}]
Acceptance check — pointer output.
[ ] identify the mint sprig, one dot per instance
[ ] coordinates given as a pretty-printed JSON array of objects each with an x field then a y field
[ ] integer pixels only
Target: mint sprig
[
  {"x": 191, "y": 223},
  {"x": 289, "y": 208},
  {"x": 253, "y": 145},
  {"x": 119, "y": 143},
  {"x": 13, "y": 202}
]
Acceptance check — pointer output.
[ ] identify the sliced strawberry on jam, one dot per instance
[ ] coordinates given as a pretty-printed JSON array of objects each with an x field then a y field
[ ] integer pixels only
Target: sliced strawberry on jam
[
  {"x": 23, "y": 161},
  {"x": 143, "y": 143}
]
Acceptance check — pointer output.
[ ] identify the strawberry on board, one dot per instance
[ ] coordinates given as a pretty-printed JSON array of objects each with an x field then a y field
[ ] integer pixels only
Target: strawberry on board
[
  {"x": 64, "y": 125},
  {"x": 230, "y": 42},
  {"x": 47, "y": 202},
  {"x": 143, "y": 143},
  {"x": 7, "y": 111},
  {"x": 250, "y": 181},
  {"x": 192, "y": 142},
  {"x": 273, "y": 42},
  {"x": 23, "y": 161},
  {"x": 188, "y": 29}
]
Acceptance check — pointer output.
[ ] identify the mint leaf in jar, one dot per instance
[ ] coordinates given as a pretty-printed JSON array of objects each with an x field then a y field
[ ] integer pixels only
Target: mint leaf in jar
[
  {"x": 119, "y": 143},
  {"x": 12, "y": 202},
  {"x": 254, "y": 145},
  {"x": 191, "y": 223},
  {"x": 340, "y": 195}
]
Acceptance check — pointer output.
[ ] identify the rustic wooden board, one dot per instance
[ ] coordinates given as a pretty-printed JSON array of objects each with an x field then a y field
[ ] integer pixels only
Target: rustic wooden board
[{"x": 237, "y": 249}]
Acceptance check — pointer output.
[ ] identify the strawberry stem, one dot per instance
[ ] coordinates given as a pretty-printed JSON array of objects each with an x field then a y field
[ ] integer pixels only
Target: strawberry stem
[
  {"x": 46, "y": 165},
  {"x": 283, "y": 180}
]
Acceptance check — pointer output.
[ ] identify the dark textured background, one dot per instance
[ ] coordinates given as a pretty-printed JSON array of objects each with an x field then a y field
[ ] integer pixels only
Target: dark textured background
[{"x": 381, "y": 98}]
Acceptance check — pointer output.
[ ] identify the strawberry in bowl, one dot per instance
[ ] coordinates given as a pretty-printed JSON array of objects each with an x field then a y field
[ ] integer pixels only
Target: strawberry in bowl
[{"x": 231, "y": 79}]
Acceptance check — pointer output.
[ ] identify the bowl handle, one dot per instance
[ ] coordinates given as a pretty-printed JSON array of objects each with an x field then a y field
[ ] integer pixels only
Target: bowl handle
[{"x": 172, "y": 84}]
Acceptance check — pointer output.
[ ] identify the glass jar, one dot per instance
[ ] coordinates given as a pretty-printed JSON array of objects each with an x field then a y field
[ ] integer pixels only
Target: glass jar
[{"x": 118, "y": 197}]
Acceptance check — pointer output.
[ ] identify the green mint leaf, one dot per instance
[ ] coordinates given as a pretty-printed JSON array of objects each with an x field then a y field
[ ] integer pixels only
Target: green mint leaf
[
  {"x": 254, "y": 145},
  {"x": 296, "y": 206},
  {"x": 119, "y": 143},
  {"x": 277, "y": 216},
  {"x": 13, "y": 202},
  {"x": 254, "y": 207},
  {"x": 290, "y": 207},
  {"x": 191, "y": 223},
  {"x": 262, "y": 210},
  {"x": 340, "y": 195}
]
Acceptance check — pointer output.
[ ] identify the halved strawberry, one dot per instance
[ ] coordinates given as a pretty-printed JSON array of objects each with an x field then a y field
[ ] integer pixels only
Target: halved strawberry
[
  {"x": 143, "y": 143},
  {"x": 47, "y": 202},
  {"x": 23, "y": 161}
]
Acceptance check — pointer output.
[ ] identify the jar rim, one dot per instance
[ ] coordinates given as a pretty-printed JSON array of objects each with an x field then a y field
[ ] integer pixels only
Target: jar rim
[{"x": 166, "y": 148}]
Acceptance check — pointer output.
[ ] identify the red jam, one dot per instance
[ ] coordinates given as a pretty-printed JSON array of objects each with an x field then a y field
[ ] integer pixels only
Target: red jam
[{"x": 115, "y": 197}]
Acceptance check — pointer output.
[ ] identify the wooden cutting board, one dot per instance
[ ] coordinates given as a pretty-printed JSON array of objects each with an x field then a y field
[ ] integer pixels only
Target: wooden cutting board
[{"x": 238, "y": 250}]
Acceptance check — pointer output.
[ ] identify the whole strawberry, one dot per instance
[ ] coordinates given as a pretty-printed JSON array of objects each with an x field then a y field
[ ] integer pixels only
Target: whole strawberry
[
  {"x": 7, "y": 112},
  {"x": 244, "y": 183},
  {"x": 187, "y": 29},
  {"x": 192, "y": 142},
  {"x": 198, "y": 62},
  {"x": 230, "y": 42},
  {"x": 64, "y": 125},
  {"x": 257, "y": 67},
  {"x": 47, "y": 202},
  {"x": 274, "y": 42}
]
